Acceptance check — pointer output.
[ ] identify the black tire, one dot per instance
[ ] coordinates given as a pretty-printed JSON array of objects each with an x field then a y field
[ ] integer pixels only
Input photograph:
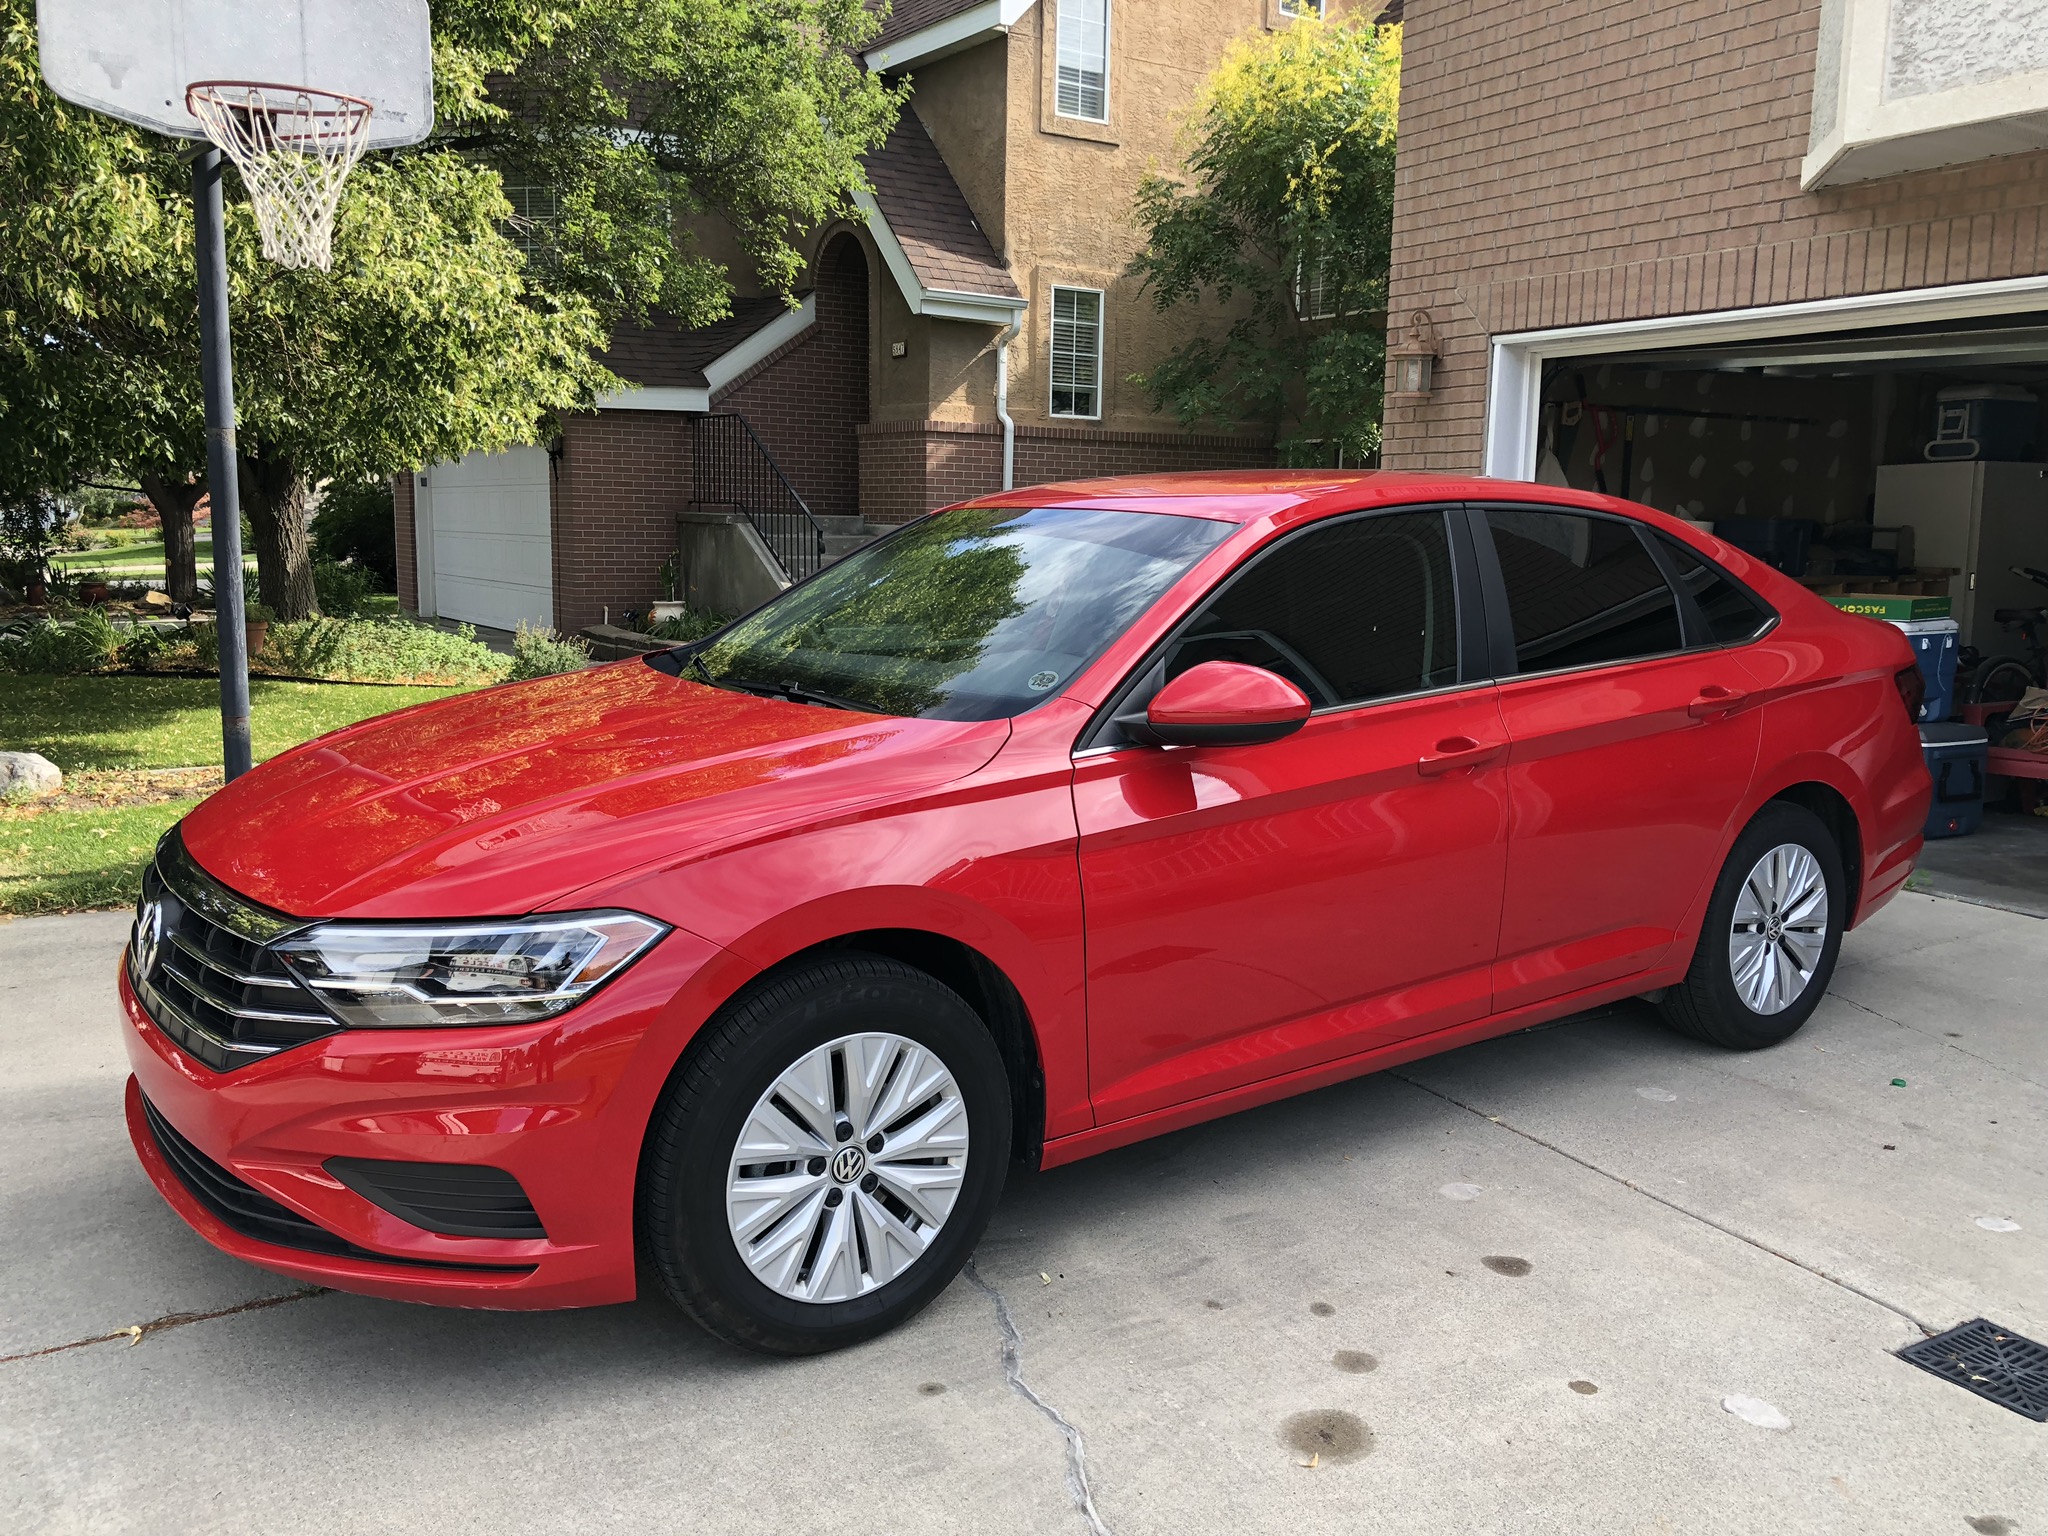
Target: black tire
[
  {"x": 1708, "y": 1005},
  {"x": 2001, "y": 680},
  {"x": 686, "y": 1238}
]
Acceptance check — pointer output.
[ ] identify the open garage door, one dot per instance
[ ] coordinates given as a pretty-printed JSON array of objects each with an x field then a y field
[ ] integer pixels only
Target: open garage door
[
  {"x": 1896, "y": 470},
  {"x": 486, "y": 553}
]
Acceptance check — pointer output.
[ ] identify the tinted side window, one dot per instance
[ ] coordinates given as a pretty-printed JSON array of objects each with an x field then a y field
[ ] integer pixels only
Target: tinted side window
[
  {"x": 1581, "y": 590},
  {"x": 1359, "y": 610},
  {"x": 1731, "y": 613}
]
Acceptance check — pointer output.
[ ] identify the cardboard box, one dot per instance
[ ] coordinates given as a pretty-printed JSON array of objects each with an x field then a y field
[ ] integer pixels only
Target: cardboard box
[{"x": 1896, "y": 606}]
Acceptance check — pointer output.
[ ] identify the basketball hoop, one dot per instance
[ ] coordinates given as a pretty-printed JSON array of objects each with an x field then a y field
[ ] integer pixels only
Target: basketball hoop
[{"x": 294, "y": 147}]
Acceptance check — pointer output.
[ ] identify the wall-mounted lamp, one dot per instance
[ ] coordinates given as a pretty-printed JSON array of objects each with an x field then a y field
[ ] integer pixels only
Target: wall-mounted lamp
[{"x": 1414, "y": 360}]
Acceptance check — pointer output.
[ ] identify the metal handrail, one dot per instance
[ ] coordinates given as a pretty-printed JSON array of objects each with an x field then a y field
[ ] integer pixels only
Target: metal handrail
[{"x": 731, "y": 466}]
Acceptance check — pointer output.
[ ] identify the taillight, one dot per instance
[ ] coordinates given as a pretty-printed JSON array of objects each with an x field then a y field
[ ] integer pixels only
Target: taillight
[{"x": 1912, "y": 691}]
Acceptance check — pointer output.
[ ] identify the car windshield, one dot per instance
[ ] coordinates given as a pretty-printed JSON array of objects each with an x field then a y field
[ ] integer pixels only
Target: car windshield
[{"x": 970, "y": 615}]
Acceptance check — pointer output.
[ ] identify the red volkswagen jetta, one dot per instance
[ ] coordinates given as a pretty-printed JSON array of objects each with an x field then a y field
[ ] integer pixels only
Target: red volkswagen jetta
[{"x": 1048, "y": 823}]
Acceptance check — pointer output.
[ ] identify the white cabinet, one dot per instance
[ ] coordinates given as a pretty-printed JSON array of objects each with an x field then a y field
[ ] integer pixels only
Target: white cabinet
[{"x": 1981, "y": 518}]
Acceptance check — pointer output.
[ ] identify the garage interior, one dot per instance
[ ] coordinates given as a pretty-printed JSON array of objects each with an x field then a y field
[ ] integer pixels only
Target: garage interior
[{"x": 1898, "y": 472}]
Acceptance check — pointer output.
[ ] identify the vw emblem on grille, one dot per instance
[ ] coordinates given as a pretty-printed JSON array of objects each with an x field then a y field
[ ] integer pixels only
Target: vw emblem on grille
[
  {"x": 849, "y": 1165},
  {"x": 149, "y": 937}
]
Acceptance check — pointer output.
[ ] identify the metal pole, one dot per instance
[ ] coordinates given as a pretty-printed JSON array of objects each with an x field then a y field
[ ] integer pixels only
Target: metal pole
[{"x": 217, "y": 377}]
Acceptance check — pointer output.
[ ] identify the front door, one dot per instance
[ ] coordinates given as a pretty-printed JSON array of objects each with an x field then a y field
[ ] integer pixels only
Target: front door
[
  {"x": 1629, "y": 753},
  {"x": 1252, "y": 911}
]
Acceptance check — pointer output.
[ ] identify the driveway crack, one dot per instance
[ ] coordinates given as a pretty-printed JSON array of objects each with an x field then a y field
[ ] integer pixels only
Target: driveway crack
[
  {"x": 1013, "y": 1369},
  {"x": 1699, "y": 1216},
  {"x": 1938, "y": 1039},
  {"x": 141, "y": 1331}
]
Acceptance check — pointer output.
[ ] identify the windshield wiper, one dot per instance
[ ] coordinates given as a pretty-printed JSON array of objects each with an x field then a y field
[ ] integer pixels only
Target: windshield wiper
[{"x": 793, "y": 693}]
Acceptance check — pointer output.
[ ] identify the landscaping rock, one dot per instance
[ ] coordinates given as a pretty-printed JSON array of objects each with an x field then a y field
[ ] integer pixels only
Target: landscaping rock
[{"x": 28, "y": 776}]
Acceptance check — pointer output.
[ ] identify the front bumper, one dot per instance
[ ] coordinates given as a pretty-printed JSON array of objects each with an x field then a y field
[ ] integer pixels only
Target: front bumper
[{"x": 562, "y": 1106}]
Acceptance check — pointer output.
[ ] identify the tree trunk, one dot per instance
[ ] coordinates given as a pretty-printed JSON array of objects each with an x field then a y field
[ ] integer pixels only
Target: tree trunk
[
  {"x": 174, "y": 498},
  {"x": 274, "y": 494}
]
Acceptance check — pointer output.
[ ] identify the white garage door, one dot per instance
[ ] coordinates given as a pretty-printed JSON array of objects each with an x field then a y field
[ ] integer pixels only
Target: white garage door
[{"x": 486, "y": 555}]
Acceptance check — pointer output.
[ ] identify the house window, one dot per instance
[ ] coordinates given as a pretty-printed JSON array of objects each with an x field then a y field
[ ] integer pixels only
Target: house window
[
  {"x": 533, "y": 209},
  {"x": 1302, "y": 8},
  {"x": 1083, "y": 60},
  {"x": 1076, "y": 352},
  {"x": 1315, "y": 296}
]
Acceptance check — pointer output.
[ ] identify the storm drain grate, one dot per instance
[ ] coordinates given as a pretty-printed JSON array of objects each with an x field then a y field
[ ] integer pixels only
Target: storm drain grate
[{"x": 1990, "y": 1361}]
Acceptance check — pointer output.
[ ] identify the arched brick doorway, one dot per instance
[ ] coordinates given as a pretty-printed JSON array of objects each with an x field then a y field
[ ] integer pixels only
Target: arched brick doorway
[{"x": 835, "y": 390}]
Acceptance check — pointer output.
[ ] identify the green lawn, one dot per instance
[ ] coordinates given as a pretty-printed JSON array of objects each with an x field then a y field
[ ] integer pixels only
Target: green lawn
[
  {"x": 170, "y": 722},
  {"x": 69, "y": 860},
  {"x": 60, "y": 859},
  {"x": 145, "y": 559}
]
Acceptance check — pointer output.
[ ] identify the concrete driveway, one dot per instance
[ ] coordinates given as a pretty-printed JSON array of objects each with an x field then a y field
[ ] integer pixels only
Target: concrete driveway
[{"x": 1507, "y": 1291}]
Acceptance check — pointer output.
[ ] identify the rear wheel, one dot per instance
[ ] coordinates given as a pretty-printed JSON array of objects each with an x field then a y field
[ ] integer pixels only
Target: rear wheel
[
  {"x": 823, "y": 1164},
  {"x": 1772, "y": 931}
]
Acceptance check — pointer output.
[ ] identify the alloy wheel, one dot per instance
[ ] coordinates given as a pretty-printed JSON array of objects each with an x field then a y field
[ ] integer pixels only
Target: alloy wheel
[
  {"x": 847, "y": 1168},
  {"x": 1780, "y": 929}
]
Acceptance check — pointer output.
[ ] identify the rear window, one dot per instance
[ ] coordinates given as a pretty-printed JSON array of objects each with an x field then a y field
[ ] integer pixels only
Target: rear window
[
  {"x": 1581, "y": 590},
  {"x": 1732, "y": 612}
]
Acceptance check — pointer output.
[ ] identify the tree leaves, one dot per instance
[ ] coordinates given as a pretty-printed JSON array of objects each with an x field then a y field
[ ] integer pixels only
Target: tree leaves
[{"x": 1286, "y": 190}]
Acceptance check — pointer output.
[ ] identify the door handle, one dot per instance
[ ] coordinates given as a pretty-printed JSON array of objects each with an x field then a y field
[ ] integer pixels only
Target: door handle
[
  {"x": 1455, "y": 752},
  {"x": 1716, "y": 700}
]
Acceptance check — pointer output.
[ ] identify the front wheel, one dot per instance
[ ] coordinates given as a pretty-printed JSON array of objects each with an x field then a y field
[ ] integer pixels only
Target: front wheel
[
  {"x": 824, "y": 1162},
  {"x": 1772, "y": 931}
]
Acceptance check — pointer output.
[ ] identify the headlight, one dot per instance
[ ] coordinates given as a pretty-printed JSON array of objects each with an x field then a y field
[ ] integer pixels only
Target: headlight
[{"x": 508, "y": 971}]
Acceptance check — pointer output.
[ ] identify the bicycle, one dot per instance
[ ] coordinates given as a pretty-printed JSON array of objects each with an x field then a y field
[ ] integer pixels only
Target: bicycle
[{"x": 2005, "y": 679}]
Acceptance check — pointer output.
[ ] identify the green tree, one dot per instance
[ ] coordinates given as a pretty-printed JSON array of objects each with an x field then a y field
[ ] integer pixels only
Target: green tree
[
  {"x": 1282, "y": 213},
  {"x": 450, "y": 322}
]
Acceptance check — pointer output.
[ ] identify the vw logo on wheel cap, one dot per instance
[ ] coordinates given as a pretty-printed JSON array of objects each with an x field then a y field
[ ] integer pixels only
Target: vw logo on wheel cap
[{"x": 849, "y": 1165}]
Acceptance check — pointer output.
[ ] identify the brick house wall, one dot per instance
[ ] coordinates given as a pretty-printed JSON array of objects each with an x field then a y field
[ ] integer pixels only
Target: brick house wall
[
  {"x": 808, "y": 401},
  {"x": 910, "y": 467},
  {"x": 1603, "y": 160},
  {"x": 620, "y": 477}
]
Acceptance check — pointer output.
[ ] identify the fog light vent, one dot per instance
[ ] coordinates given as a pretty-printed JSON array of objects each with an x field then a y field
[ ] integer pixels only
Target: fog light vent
[
  {"x": 1990, "y": 1361},
  {"x": 458, "y": 1199}
]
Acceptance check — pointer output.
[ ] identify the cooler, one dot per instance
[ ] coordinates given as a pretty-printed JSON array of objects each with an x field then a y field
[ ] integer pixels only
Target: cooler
[
  {"x": 1934, "y": 648},
  {"x": 1956, "y": 757}
]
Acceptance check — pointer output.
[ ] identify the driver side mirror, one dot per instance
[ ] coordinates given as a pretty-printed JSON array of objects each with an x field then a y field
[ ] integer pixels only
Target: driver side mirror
[{"x": 1220, "y": 704}]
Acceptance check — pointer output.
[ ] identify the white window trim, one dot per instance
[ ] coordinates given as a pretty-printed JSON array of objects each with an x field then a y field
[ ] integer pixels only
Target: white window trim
[
  {"x": 1052, "y": 306},
  {"x": 1515, "y": 372},
  {"x": 1108, "y": 42}
]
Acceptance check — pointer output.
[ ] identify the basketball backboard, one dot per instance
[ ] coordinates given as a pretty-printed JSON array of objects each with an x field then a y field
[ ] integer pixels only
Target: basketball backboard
[{"x": 132, "y": 59}]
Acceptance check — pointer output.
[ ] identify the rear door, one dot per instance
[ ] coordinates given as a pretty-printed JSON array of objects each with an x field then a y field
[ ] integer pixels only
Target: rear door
[
  {"x": 1630, "y": 747},
  {"x": 1256, "y": 910}
]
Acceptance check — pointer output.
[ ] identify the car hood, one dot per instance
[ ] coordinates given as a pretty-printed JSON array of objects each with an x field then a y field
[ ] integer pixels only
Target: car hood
[{"x": 509, "y": 799}]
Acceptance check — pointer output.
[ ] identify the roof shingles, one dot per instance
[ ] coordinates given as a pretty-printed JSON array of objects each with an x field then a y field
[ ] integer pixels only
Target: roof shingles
[
  {"x": 908, "y": 16},
  {"x": 927, "y": 212}
]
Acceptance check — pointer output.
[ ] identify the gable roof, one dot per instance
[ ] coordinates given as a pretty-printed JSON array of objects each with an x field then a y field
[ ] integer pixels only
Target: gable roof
[
  {"x": 908, "y": 16},
  {"x": 925, "y": 217},
  {"x": 664, "y": 354}
]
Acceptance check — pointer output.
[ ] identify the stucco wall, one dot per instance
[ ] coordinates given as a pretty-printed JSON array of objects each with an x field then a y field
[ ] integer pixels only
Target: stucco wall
[{"x": 1615, "y": 159}]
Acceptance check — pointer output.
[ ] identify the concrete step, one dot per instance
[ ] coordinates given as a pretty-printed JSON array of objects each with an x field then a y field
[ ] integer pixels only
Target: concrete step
[{"x": 833, "y": 525}]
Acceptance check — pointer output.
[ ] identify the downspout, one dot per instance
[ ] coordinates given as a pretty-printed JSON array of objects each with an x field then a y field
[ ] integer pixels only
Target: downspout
[{"x": 1003, "y": 400}]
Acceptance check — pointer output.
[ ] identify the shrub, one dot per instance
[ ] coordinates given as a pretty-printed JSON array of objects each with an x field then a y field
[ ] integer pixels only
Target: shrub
[
  {"x": 143, "y": 649},
  {"x": 343, "y": 590},
  {"x": 85, "y": 644},
  {"x": 379, "y": 650},
  {"x": 543, "y": 653},
  {"x": 355, "y": 525}
]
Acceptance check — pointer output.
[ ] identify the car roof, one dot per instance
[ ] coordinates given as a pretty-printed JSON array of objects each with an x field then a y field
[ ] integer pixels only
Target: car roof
[{"x": 1248, "y": 495}]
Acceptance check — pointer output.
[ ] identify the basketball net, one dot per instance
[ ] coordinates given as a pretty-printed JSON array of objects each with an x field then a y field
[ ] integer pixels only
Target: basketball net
[{"x": 294, "y": 147}]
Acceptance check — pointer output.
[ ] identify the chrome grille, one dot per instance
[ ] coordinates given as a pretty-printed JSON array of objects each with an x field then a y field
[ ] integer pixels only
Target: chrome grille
[{"x": 200, "y": 964}]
